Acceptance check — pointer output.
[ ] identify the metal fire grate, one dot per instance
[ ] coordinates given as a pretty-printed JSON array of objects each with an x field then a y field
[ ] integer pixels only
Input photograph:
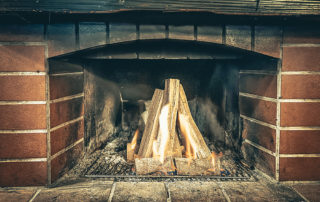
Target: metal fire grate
[{"x": 118, "y": 170}]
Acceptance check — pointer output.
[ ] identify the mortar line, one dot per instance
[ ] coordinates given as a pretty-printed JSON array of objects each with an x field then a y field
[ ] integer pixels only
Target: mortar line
[
  {"x": 300, "y": 128},
  {"x": 35, "y": 195},
  {"x": 269, "y": 99},
  {"x": 70, "y": 97},
  {"x": 166, "y": 186},
  {"x": 66, "y": 123},
  {"x": 66, "y": 149},
  {"x": 23, "y": 160},
  {"x": 279, "y": 70},
  {"x": 258, "y": 72},
  {"x": 300, "y": 100},
  {"x": 24, "y": 131},
  {"x": 23, "y": 43},
  {"x": 307, "y": 45},
  {"x": 112, "y": 191},
  {"x": 48, "y": 116},
  {"x": 66, "y": 74},
  {"x": 260, "y": 147},
  {"x": 22, "y": 102},
  {"x": 226, "y": 196},
  {"x": 300, "y": 73},
  {"x": 22, "y": 73},
  {"x": 258, "y": 121},
  {"x": 299, "y": 155}
]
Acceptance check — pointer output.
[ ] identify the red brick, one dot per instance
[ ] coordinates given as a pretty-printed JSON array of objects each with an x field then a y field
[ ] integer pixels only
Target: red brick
[
  {"x": 23, "y": 174},
  {"x": 299, "y": 168},
  {"x": 23, "y": 146},
  {"x": 259, "y": 134},
  {"x": 65, "y": 136},
  {"x": 64, "y": 111},
  {"x": 57, "y": 66},
  {"x": 64, "y": 162},
  {"x": 300, "y": 142},
  {"x": 258, "y": 84},
  {"x": 61, "y": 86},
  {"x": 258, "y": 109},
  {"x": 299, "y": 34},
  {"x": 300, "y": 86},
  {"x": 22, "y": 88},
  {"x": 300, "y": 114},
  {"x": 301, "y": 59},
  {"x": 22, "y": 117},
  {"x": 267, "y": 40},
  {"x": 259, "y": 159},
  {"x": 22, "y": 58}
]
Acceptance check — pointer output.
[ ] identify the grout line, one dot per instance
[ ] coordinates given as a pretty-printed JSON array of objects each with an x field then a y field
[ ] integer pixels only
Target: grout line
[
  {"x": 23, "y": 131},
  {"x": 226, "y": 196},
  {"x": 300, "y": 128},
  {"x": 195, "y": 32},
  {"x": 23, "y": 43},
  {"x": 279, "y": 93},
  {"x": 300, "y": 45},
  {"x": 166, "y": 31},
  {"x": 107, "y": 32},
  {"x": 224, "y": 34},
  {"x": 35, "y": 195},
  {"x": 66, "y": 123},
  {"x": 22, "y": 102},
  {"x": 23, "y": 160},
  {"x": 258, "y": 72},
  {"x": 112, "y": 191},
  {"x": 48, "y": 139},
  {"x": 66, "y": 149},
  {"x": 304, "y": 198},
  {"x": 258, "y": 122},
  {"x": 66, "y": 74},
  {"x": 260, "y": 147},
  {"x": 166, "y": 186},
  {"x": 299, "y": 100},
  {"x": 22, "y": 73},
  {"x": 300, "y": 182},
  {"x": 67, "y": 98},
  {"x": 299, "y": 155},
  {"x": 257, "y": 97},
  {"x": 301, "y": 73}
]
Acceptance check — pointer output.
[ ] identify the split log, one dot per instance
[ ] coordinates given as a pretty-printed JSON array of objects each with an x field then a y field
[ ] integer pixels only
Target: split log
[
  {"x": 152, "y": 126},
  {"x": 171, "y": 98},
  {"x": 197, "y": 166},
  {"x": 148, "y": 166},
  {"x": 187, "y": 124}
]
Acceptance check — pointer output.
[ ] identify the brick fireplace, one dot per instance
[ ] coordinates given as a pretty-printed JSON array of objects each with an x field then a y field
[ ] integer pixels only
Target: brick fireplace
[{"x": 43, "y": 99}]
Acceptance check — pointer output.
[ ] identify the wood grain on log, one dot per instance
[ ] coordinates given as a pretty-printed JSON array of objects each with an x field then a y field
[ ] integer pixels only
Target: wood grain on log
[
  {"x": 147, "y": 166},
  {"x": 152, "y": 126},
  {"x": 188, "y": 125},
  {"x": 196, "y": 167}
]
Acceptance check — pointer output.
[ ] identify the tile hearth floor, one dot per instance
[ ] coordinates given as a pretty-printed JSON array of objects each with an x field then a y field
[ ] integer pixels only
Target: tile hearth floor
[{"x": 85, "y": 189}]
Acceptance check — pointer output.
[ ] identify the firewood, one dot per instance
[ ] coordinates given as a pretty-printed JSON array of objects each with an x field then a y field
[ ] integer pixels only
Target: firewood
[
  {"x": 187, "y": 166},
  {"x": 186, "y": 122},
  {"x": 152, "y": 126},
  {"x": 148, "y": 166},
  {"x": 171, "y": 98}
]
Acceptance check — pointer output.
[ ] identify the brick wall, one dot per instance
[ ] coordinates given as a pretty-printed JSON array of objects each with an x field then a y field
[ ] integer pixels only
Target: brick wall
[
  {"x": 23, "y": 98},
  {"x": 41, "y": 121}
]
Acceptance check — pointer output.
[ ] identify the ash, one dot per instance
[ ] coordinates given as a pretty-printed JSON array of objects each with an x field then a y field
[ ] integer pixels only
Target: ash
[{"x": 109, "y": 160}]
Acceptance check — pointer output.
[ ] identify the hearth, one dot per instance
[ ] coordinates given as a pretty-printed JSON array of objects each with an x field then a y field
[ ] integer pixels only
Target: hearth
[{"x": 123, "y": 108}]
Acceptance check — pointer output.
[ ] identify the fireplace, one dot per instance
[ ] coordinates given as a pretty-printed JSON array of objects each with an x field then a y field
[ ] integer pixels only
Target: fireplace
[{"x": 252, "y": 91}]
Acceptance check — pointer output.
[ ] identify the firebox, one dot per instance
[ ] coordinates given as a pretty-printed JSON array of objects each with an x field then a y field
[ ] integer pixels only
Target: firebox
[
  {"x": 199, "y": 101},
  {"x": 77, "y": 90}
]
